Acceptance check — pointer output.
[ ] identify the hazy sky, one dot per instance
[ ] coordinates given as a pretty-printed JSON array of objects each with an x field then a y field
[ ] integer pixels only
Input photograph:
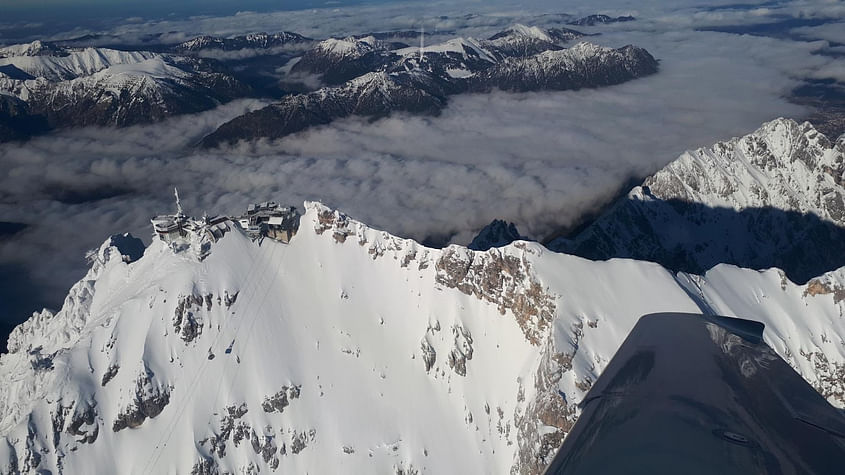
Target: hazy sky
[{"x": 38, "y": 9}]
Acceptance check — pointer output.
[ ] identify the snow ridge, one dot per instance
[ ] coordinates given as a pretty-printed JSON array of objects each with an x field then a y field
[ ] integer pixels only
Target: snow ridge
[
  {"x": 352, "y": 347},
  {"x": 773, "y": 198},
  {"x": 783, "y": 164}
]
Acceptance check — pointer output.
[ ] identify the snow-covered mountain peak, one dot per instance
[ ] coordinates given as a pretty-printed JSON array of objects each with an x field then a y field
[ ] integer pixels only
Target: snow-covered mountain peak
[
  {"x": 60, "y": 329},
  {"x": 155, "y": 67},
  {"x": 462, "y": 47},
  {"x": 101, "y": 86},
  {"x": 257, "y": 41},
  {"x": 772, "y": 198},
  {"x": 35, "y": 48},
  {"x": 529, "y": 32},
  {"x": 783, "y": 165},
  {"x": 74, "y": 63},
  {"x": 348, "y": 47},
  {"x": 198, "y": 43},
  {"x": 496, "y": 234},
  {"x": 352, "y": 347},
  {"x": 585, "y": 49}
]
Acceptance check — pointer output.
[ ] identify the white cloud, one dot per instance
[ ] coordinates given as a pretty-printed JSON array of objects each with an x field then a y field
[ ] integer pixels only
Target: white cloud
[{"x": 834, "y": 32}]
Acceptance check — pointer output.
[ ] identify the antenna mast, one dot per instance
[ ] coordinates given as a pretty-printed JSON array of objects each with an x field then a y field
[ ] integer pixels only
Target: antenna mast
[
  {"x": 178, "y": 203},
  {"x": 422, "y": 42}
]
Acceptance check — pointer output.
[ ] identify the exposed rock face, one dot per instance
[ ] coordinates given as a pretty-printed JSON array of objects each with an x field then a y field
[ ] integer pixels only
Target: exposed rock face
[
  {"x": 462, "y": 351},
  {"x": 148, "y": 401},
  {"x": 110, "y": 373},
  {"x": 429, "y": 354},
  {"x": 81, "y": 423},
  {"x": 502, "y": 279},
  {"x": 235, "y": 430},
  {"x": 80, "y": 420},
  {"x": 279, "y": 401},
  {"x": 496, "y": 234},
  {"x": 826, "y": 286},
  {"x": 757, "y": 201},
  {"x": 300, "y": 441},
  {"x": 229, "y": 426},
  {"x": 186, "y": 321},
  {"x": 549, "y": 416}
]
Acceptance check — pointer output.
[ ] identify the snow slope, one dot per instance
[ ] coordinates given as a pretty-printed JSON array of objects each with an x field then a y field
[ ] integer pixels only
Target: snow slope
[
  {"x": 70, "y": 64},
  {"x": 101, "y": 86},
  {"x": 354, "y": 351},
  {"x": 772, "y": 198},
  {"x": 784, "y": 164}
]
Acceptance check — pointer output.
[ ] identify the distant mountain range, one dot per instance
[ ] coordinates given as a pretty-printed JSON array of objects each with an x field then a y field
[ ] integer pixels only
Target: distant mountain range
[
  {"x": 46, "y": 85},
  {"x": 257, "y": 41},
  {"x": 62, "y": 87},
  {"x": 592, "y": 20},
  {"x": 375, "y": 78}
]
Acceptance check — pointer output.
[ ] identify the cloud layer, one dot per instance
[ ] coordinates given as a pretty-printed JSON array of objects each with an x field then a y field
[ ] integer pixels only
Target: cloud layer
[{"x": 542, "y": 160}]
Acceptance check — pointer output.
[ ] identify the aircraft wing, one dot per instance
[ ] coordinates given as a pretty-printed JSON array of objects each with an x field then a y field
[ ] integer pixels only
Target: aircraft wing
[{"x": 693, "y": 394}]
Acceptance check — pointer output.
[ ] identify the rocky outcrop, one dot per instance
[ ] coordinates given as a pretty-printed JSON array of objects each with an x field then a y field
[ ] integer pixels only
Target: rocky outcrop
[
  {"x": 148, "y": 400},
  {"x": 500, "y": 278},
  {"x": 279, "y": 401},
  {"x": 462, "y": 351},
  {"x": 229, "y": 427},
  {"x": 429, "y": 355},
  {"x": 186, "y": 321},
  {"x": 549, "y": 416},
  {"x": 496, "y": 234},
  {"x": 826, "y": 286},
  {"x": 110, "y": 373},
  {"x": 829, "y": 376},
  {"x": 78, "y": 419}
]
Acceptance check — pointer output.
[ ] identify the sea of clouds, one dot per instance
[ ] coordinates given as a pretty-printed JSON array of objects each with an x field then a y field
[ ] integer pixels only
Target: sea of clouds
[{"x": 541, "y": 160}]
